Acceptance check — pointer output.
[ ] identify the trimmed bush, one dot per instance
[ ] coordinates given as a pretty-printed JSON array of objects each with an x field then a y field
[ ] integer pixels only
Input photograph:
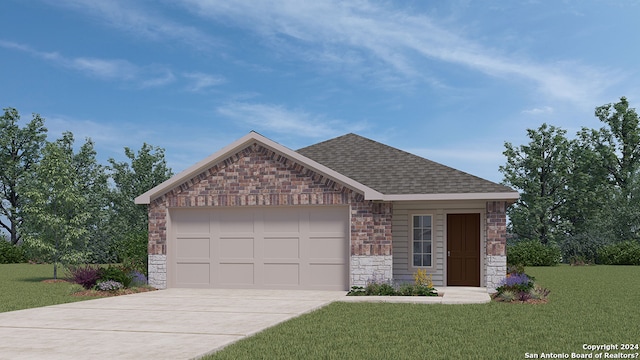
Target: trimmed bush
[
  {"x": 533, "y": 253},
  {"x": 118, "y": 274},
  {"x": 11, "y": 254},
  {"x": 582, "y": 248},
  {"x": 622, "y": 253}
]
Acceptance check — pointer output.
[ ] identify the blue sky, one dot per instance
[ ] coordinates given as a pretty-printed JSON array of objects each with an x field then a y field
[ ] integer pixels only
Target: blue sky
[{"x": 447, "y": 80}]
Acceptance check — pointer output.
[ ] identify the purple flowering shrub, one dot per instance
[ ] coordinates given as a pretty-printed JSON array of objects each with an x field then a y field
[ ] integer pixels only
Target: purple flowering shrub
[
  {"x": 138, "y": 278},
  {"x": 516, "y": 282},
  {"x": 518, "y": 286}
]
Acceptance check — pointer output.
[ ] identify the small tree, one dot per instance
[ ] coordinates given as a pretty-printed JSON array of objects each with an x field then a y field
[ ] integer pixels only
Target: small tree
[
  {"x": 61, "y": 195},
  {"x": 19, "y": 152}
]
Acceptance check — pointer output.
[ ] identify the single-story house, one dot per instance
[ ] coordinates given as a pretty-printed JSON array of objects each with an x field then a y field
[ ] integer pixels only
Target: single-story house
[{"x": 336, "y": 214}]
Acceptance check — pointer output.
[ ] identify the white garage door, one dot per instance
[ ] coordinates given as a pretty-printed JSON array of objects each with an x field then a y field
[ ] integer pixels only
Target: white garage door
[{"x": 259, "y": 247}]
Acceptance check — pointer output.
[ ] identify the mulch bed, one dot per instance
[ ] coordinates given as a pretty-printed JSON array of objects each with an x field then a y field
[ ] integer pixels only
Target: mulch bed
[
  {"x": 98, "y": 293},
  {"x": 530, "y": 301}
]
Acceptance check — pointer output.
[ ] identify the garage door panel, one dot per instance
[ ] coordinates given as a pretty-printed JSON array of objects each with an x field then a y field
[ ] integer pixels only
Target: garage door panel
[
  {"x": 236, "y": 274},
  {"x": 325, "y": 275},
  {"x": 193, "y": 273},
  {"x": 321, "y": 219},
  {"x": 191, "y": 221},
  {"x": 297, "y": 247},
  {"x": 282, "y": 274},
  {"x": 234, "y": 221},
  {"x": 282, "y": 221},
  {"x": 327, "y": 248},
  {"x": 236, "y": 248},
  {"x": 281, "y": 248},
  {"x": 193, "y": 247}
]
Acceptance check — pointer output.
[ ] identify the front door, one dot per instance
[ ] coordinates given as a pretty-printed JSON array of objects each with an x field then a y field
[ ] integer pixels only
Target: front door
[{"x": 463, "y": 250}]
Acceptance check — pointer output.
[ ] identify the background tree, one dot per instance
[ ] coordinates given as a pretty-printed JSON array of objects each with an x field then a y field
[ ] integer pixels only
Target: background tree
[
  {"x": 131, "y": 178},
  {"x": 19, "y": 152},
  {"x": 618, "y": 145},
  {"x": 539, "y": 170}
]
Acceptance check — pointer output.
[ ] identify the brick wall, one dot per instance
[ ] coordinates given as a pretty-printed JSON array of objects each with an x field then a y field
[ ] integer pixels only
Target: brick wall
[
  {"x": 496, "y": 228},
  {"x": 257, "y": 176}
]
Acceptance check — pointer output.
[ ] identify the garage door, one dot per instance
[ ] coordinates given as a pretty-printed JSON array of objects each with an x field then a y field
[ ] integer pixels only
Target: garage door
[{"x": 259, "y": 247}]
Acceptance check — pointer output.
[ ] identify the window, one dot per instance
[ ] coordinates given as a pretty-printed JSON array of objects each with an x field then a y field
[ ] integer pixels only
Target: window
[{"x": 422, "y": 240}]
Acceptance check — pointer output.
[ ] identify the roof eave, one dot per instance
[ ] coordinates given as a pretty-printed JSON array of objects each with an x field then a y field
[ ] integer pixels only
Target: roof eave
[
  {"x": 507, "y": 196},
  {"x": 229, "y": 150}
]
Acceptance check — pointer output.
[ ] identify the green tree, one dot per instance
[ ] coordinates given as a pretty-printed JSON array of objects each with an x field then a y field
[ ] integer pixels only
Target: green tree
[
  {"x": 131, "y": 178},
  {"x": 65, "y": 207},
  {"x": 539, "y": 170},
  {"x": 19, "y": 152},
  {"x": 619, "y": 143}
]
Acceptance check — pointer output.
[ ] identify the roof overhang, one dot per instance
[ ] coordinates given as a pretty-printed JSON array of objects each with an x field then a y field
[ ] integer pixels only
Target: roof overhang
[
  {"x": 238, "y": 145},
  {"x": 507, "y": 196}
]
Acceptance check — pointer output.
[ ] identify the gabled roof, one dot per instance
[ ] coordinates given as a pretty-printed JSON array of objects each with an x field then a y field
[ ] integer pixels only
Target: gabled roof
[
  {"x": 377, "y": 171},
  {"x": 241, "y": 144},
  {"x": 399, "y": 174}
]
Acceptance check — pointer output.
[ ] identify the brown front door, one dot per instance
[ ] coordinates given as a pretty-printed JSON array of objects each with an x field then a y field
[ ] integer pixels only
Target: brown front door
[{"x": 463, "y": 249}]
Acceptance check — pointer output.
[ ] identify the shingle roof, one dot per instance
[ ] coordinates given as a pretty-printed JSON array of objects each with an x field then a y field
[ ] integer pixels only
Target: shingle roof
[{"x": 392, "y": 171}]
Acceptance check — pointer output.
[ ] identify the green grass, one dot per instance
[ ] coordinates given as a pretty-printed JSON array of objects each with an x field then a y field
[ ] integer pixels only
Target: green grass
[
  {"x": 588, "y": 305},
  {"x": 21, "y": 287}
]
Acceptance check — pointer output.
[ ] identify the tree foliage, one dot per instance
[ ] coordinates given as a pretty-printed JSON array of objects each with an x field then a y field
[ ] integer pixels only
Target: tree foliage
[
  {"x": 19, "y": 152},
  {"x": 582, "y": 193},
  {"x": 540, "y": 171},
  {"x": 131, "y": 178}
]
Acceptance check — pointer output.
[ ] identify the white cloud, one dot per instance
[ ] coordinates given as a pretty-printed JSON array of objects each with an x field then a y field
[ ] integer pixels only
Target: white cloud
[
  {"x": 276, "y": 118},
  {"x": 104, "y": 69},
  {"x": 538, "y": 110},
  {"x": 143, "y": 22},
  {"x": 406, "y": 42},
  {"x": 200, "y": 81}
]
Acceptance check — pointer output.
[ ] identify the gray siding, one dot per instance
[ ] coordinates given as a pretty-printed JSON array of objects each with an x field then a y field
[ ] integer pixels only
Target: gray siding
[{"x": 402, "y": 211}]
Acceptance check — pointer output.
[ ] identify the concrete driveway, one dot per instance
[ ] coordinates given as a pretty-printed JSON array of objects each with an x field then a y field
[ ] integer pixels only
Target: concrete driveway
[{"x": 166, "y": 324}]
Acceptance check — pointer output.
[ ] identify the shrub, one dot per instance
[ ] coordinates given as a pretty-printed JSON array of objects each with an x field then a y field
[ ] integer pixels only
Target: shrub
[
  {"x": 381, "y": 289},
  {"x": 118, "y": 274},
  {"x": 133, "y": 252},
  {"x": 420, "y": 278},
  {"x": 109, "y": 285},
  {"x": 86, "y": 275},
  {"x": 539, "y": 293},
  {"x": 137, "y": 278},
  {"x": 581, "y": 249},
  {"x": 622, "y": 253},
  {"x": 11, "y": 254},
  {"x": 533, "y": 253},
  {"x": 507, "y": 295},
  {"x": 516, "y": 283}
]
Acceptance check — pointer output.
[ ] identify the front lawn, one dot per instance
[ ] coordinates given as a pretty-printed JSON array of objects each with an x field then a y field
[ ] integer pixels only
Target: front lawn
[
  {"x": 587, "y": 305},
  {"x": 22, "y": 287}
]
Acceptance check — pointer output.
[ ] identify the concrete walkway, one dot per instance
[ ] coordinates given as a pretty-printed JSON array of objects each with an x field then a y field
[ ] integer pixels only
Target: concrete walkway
[{"x": 168, "y": 324}]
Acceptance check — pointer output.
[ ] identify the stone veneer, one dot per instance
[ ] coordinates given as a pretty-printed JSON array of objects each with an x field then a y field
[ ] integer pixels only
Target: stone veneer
[
  {"x": 257, "y": 176},
  {"x": 158, "y": 271},
  {"x": 496, "y": 244},
  {"x": 365, "y": 269}
]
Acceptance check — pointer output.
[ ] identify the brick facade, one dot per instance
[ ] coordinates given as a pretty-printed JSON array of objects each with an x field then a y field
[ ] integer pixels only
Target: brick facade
[{"x": 257, "y": 176}]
